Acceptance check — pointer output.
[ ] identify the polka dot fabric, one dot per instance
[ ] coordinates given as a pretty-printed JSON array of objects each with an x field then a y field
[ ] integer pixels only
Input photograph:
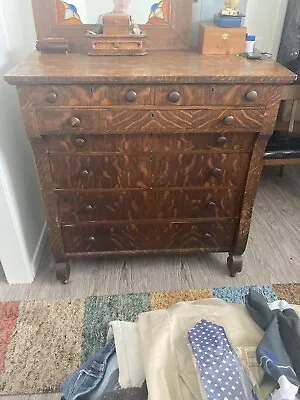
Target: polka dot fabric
[{"x": 216, "y": 361}]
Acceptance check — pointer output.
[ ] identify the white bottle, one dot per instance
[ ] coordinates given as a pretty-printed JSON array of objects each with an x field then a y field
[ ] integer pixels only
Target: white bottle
[{"x": 250, "y": 43}]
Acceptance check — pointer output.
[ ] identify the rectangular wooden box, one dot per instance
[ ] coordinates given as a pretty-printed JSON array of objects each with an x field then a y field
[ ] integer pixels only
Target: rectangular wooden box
[
  {"x": 116, "y": 25},
  {"x": 216, "y": 40}
]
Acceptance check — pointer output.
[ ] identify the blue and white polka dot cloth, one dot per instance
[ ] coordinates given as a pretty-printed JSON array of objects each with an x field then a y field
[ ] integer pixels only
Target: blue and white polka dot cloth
[{"x": 219, "y": 368}]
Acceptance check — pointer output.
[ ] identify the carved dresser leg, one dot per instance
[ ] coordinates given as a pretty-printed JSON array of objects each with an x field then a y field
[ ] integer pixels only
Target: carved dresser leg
[
  {"x": 235, "y": 264},
  {"x": 63, "y": 272}
]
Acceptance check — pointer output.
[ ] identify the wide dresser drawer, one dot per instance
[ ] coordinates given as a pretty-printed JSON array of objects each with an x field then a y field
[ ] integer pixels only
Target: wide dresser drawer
[
  {"x": 160, "y": 142},
  {"x": 146, "y": 121},
  {"x": 147, "y": 171},
  {"x": 130, "y": 205},
  {"x": 142, "y": 237}
]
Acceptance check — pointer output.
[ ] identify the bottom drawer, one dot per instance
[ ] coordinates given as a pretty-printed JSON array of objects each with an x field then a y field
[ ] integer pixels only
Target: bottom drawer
[{"x": 155, "y": 236}]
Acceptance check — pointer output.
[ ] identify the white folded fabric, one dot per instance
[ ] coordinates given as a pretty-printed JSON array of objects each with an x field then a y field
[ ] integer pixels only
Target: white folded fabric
[{"x": 126, "y": 338}]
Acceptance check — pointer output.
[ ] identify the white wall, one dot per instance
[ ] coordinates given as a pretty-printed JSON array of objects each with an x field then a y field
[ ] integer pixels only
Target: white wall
[
  {"x": 21, "y": 215},
  {"x": 265, "y": 19}
]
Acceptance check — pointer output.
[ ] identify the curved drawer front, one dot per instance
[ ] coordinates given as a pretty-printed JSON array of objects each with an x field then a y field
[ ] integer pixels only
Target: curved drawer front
[
  {"x": 147, "y": 204},
  {"x": 162, "y": 142},
  {"x": 141, "y": 121},
  {"x": 142, "y": 237},
  {"x": 157, "y": 170},
  {"x": 211, "y": 95}
]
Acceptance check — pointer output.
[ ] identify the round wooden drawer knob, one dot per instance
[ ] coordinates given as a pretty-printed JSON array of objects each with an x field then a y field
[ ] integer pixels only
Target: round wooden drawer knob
[
  {"x": 74, "y": 122},
  {"x": 212, "y": 204},
  {"x": 222, "y": 140},
  {"x": 252, "y": 96},
  {"x": 84, "y": 173},
  {"x": 92, "y": 239},
  {"x": 51, "y": 97},
  {"x": 174, "y": 97},
  {"x": 229, "y": 120},
  {"x": 216, "y": 172},
  {"x": 207, "y": 236},
  {"x": 80, "y": 142},
  {"x": 131, "y": 96}
]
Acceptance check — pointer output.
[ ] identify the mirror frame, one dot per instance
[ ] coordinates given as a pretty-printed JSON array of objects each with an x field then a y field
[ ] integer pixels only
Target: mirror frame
[{"x": 172, "y": 36}]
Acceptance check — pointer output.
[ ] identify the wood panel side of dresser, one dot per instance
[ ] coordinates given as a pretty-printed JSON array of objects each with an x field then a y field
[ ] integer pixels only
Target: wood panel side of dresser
[
  {"x": 49, "y": 197},
  {"x": 255, "y": 169}
]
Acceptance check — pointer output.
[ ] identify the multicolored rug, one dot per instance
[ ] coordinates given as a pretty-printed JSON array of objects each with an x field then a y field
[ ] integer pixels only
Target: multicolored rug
[{"x": 42, "y": 341}]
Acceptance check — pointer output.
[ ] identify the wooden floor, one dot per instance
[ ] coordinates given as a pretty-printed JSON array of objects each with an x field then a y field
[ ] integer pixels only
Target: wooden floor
[{"x": 272, "y": 256}]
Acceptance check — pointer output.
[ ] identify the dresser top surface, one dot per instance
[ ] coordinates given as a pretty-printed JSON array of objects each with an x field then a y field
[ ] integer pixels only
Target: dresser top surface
[{"x": 157, "y": 67}]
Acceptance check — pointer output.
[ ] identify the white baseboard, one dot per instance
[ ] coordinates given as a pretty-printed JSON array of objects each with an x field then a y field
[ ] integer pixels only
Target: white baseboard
[{"x": 40, "y": 249}]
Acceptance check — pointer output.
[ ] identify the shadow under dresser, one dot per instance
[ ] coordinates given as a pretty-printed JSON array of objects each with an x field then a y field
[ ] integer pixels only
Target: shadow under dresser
[{"x": 159, "y": 154}]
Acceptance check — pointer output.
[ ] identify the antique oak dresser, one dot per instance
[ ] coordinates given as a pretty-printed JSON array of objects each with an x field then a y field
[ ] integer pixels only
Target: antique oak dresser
[{"x": 158, "y": 154}]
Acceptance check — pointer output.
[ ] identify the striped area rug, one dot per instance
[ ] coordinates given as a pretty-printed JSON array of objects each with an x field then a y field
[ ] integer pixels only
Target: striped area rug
[{"x": 42, "y": 341}]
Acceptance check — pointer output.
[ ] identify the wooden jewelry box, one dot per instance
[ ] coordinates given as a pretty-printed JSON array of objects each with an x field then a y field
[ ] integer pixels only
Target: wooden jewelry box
[{"x": 120, "y": 37}]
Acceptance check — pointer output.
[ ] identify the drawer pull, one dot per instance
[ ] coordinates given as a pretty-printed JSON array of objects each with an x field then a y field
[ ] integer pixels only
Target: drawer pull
[
  {"x": 92, "y": 239},
  {"x": 80, "y": 142},
  {"x": 89, "y": 207},
  {"x": 174, "y": 97},
  {"x": 211, "y": 204},
  {"x": 51, "y": 97},
  {"x": 207, "y": 236},
  {"x": 75, "y": 122},
  {"x": 84, "y": 173},
  {"x": 116, "y": 45},
  {"x": 216, "y": 172},
  {"x": 222, "y": 140},
  {"x": 252, "y": 96},
  {"x": 229, "y": 120},
  {"x": 131, "y": 96}
]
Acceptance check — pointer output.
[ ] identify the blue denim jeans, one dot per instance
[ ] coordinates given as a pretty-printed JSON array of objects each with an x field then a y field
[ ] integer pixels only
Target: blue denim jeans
[{"x": 98, "y": 374}]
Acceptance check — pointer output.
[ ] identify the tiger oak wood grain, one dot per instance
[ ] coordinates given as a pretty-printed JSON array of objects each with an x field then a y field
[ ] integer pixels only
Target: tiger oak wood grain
[
  {"x": 85, "y": 206},
  {"x": 161, "y": 142},
  {"x": 106, "y": 95},
  {"x": 157, "y": 170},
  {"x": 157, "y": 67},
  {"x": 99, "y": 121},
  {"x": 49, "y": 198},
  {"x": 255, "y": 169},
  {"x": 159, "y": 236},
  {"x": 173, "y": 169}
]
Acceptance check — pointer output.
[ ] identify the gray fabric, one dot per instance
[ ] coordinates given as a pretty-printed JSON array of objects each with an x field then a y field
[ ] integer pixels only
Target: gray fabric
[
  {"x": 127, "y": 394},
  {"x": 274, "y": 353}
]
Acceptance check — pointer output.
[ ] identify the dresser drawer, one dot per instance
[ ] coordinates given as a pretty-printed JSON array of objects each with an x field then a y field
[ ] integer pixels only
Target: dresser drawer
[
  {"x": 146, "y": 204},
  {"x": 88, "y": 95},
  {"x": 143, "y": 237},
  {"x": 73, "y": 120},
  {"x": 200, "y": 170},
  {"x": 211, "y": 95},
  {"x": 157, "y": 170},
  {"x": 159, "y": 121},
  {"x": 162, "y": 142},
  {"x": 228, "y": 120},
  {"x": 141, "y": 121}
]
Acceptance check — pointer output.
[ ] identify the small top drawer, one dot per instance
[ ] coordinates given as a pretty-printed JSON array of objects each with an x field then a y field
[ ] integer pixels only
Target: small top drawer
[
  {"x": 211, "y": 95},
  {"x": 88, "y": 95}
]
